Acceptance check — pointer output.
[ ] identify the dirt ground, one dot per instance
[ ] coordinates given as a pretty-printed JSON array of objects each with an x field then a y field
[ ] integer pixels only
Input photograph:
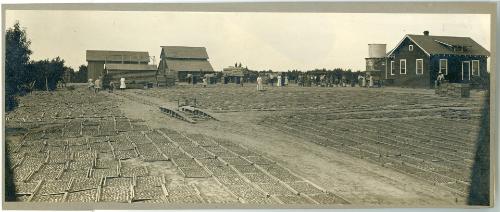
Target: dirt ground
[
  {"x": 383, "y": 147},
  {"x": 358, "y": 181}
]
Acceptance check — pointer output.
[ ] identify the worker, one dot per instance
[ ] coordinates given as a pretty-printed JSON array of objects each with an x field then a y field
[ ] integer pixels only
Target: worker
[
  {"x": 286, "y": 80},
  {"x": 259, "y": 83},
  {"x": 122, "y": 84},
  {"x": 279, "y": 81},
  {"x": 111, "y": 86},
  {"x": 439, "y": 79},
  {"x": 205, "y": 82},
  {"x": 91, "y": 84},
  {"x": 97, "y": 85},
  {"x": 371, "y": 81},
  {"x": 241, "y": 81},
  {"x": 363, "y": 81}
]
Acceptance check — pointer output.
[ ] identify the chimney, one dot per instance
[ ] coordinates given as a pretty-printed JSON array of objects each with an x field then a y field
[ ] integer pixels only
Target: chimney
[{"x": 426, "y": 33}]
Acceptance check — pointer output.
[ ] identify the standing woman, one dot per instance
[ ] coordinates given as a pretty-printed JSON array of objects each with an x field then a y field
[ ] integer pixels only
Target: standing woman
[
  {"x": 97, "y": 87},
  {"x": 122, "y": 84}
]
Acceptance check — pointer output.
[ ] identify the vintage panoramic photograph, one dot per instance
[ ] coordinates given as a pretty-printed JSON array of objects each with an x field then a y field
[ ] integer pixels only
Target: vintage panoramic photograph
[{"x": 267, "y": 109}]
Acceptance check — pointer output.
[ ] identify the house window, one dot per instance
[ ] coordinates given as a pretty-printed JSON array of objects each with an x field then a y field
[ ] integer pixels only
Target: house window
[
  {"x": 402, "y": 66},
  {"x": 410, "y": 48},
  {"x": 475, "y": 68},
  {"x": 443, "y": 66},
  {"x": 393, "y": 67},
  {"x": 420, "y": 67}
]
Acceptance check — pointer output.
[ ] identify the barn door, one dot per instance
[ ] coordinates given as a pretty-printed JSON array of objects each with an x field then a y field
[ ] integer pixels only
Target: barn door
[{"x": 465, "y": 70}]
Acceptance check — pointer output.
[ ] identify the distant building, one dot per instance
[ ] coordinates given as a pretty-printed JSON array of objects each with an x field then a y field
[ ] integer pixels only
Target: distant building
[
  {"x": 180, "y": 61},
  {"x": 233, "y": 74},
  {"x": 136, "y": 75},
  {"x": 97, "y": 58},
  {"x": 417, "y": 60}
]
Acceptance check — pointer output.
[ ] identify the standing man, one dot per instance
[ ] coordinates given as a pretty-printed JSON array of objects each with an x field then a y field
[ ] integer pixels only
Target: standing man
[
  {"x": 205, "y": 82},
  {"x": 439, "y": 79},
  {"x": 371, "y": 81},
  {"x": 111, "y": 86}
]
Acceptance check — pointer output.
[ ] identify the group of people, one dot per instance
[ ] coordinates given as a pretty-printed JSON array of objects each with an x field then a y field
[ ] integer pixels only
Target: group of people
[
  {"x": 279, "y": 80},
  {"x": 364, "y": 81},
  {"x": 97, "y": 85}
]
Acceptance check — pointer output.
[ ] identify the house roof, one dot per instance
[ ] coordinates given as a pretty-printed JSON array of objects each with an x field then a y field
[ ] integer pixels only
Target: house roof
[
  {"x": 184, "y": 52},
  {"x": 189, "y": 65},
  {"x": 130, "y": 67},
  {"x": 117, "y": 56},
  {"x": 433, "y": 45}
]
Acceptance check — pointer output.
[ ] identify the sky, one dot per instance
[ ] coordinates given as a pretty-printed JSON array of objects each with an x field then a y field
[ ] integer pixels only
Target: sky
[{"x": 261, "y": 41}]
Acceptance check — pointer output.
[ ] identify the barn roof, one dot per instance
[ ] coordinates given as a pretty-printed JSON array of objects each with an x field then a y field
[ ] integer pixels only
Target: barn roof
[
  {"x": 444, "y": 45},
  {"x": 189, "y": 65},
  {"x": 117, "y": 56},
  {"x": 130, "y": 67},
  {"x": 184, "y": 52}
]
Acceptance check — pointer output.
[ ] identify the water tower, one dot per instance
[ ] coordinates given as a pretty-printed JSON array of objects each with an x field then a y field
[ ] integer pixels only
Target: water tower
[{"x": 376, "y": 60}]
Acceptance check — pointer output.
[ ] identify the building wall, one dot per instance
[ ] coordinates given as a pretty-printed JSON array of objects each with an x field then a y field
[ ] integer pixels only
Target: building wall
[
  {"x": 455, "y": 67},
  {"x": 411, "y": 78},
  {"x": 95, "y": 68}
]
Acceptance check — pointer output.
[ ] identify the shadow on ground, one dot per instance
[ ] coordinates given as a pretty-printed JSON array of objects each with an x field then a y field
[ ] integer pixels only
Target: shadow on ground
[
  {"x": 10, "y": 190},
  {"x": 480, "y": 179}
]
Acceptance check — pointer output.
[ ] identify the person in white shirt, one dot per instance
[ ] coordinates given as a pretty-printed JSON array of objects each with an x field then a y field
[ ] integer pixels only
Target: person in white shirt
[
  {"x": 122, "y": 84},
  {"x": 91, "y": 84},
  {"x": 440, "y": 78}
]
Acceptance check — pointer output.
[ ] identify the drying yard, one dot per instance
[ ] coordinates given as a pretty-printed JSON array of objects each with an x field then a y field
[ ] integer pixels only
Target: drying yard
[{"x": 286, "y": 145}]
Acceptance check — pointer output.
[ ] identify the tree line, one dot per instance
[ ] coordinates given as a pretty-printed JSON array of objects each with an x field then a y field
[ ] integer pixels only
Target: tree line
[{"x": 23, "y": 75}]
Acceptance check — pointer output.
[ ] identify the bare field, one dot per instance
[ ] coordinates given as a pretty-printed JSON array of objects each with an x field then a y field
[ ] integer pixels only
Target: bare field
[{"x": 287, "y": 145}]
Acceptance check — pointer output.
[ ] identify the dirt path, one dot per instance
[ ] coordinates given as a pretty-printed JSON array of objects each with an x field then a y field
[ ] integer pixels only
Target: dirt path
[{"x": 360, "y": 182}]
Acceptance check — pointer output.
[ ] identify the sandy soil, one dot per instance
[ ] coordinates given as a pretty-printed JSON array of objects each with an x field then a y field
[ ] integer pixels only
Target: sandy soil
[{"x": 358, "y": 181}]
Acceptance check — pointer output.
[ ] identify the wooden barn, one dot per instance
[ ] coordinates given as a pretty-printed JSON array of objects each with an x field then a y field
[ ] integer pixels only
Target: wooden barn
[
  {"x": 96, "y": 59},
  {"x": 136, "y": 75},
  {"x": 182, "y": 60},
  {"x": 417, "y": 60}
]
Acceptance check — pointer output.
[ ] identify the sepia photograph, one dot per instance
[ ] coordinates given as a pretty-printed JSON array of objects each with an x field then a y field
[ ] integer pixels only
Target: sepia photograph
[{"x": 248, "y": 105}]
